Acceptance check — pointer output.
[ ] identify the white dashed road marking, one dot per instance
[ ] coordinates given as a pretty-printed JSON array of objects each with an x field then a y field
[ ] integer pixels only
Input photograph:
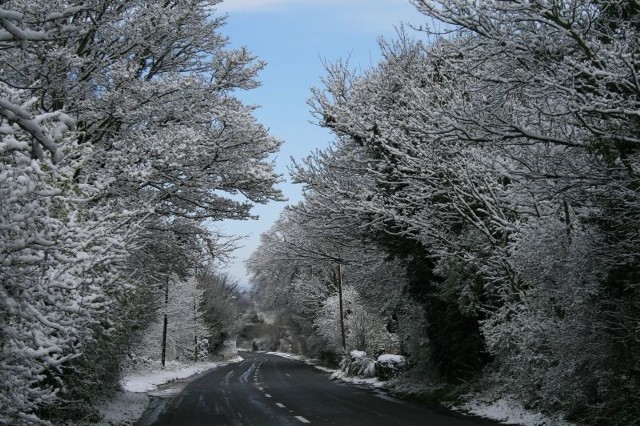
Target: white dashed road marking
[
  {"x": 302, "y": 419},
  {"x": 280, "y": 405},
  {"x": 267, "y": 395}
]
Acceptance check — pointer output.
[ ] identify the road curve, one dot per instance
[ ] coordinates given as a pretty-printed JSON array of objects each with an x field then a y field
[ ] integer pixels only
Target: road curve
[{"x": 267, "y": 390}]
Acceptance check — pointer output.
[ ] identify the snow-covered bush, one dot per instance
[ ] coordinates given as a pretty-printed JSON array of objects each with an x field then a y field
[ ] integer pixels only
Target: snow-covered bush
[
  {"x": 358, "y": 364},
  {"x": 385, "y": 367},
  {"x": 389, "y": 366}
]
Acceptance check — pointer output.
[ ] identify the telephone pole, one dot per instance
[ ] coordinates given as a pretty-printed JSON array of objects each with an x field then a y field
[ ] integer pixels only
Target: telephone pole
[
  {"x": 339, "y": 282},
  {"x": 164, "y": 326}
]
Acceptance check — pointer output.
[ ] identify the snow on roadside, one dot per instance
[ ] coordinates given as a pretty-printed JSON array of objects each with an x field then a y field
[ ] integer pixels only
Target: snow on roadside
[
  {"x": 126, "y": 407},
  {"x": 505, "y": 410},
  {"x": 335, "y": 374},
  {"x": 145, "y": 381},
  {"x": 290, "y": 356},
  {"x": 302, "y": 358},
  {"x": 372, "y": 381},
  {"x": 509, "y": 411},
  {"x": 323, "y": 368}
]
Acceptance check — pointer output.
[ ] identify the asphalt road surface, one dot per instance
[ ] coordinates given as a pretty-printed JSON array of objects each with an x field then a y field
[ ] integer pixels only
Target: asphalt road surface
[{"x": 267, "y": 390}]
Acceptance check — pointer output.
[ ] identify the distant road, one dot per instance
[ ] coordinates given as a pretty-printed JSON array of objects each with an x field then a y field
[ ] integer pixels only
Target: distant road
[{"x": 267, "y": 390}]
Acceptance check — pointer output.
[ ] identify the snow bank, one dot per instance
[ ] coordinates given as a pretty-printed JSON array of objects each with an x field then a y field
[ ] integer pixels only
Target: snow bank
[
  {"x": 289, "y": 356},
  {"x": 391, "y": 359},
  {"x": 124, "y": 409},
  {"x": 338, "y": 374},
  {"x": 146, "y": 381},
  {"x": 370, "y": 381},
  {"x": 508, "y": 410}
]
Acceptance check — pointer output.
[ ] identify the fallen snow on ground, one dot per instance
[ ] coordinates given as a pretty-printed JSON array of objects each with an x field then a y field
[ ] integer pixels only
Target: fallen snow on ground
[
  {"x": 373, "y": 381},
  {"x": 324, "y": 369},
  {"x": 290, "y": 356},
  {"x": 507, "y": 410},
  {"x": 126, "y": 407},
  {"x": 123, "y": 409},
  {"x": 335, "y": 374},
  {"x": 149, "y": 380},
  {"x": 308, "y": 361}
]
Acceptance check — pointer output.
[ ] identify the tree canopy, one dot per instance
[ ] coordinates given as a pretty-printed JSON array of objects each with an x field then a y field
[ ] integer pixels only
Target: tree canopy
[
  {"x": 121, "y": 136},
  {"x": 496, "y": 166}
]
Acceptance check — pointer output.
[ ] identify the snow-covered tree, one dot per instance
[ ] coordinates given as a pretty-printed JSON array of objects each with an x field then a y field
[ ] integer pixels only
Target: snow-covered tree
[
  {"x": 500, "y": 165},
  {"x": 118, "y": 120},
  {"x": 365, "y": 331},
  {"x": 57, "y": 254},
  {"x": 219, "y": 306},
  {"x": 307, "y": 262},
  {"x": 186, "y": 328}
]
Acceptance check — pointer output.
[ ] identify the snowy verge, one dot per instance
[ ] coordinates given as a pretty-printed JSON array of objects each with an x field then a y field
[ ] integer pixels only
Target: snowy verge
[
  {"x": 335, "y": 374},
  {"x": 371, "y": 381},
  {"x": 291, "y": 356},
  {"x": 502, "y": 409},
  {"x": 148, "y": 380},
  {"x": 490, "y": 404},
  {"x": 126, "y": 407},
  {"x": 508, "y": 410},
  {"x": 302, "y": 358}
]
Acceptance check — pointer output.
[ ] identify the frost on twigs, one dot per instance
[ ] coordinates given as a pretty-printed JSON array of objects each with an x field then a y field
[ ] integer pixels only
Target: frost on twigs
[
  {"x": 42, "y": 132},
  {"x": 498, "y": 169},
  {"x": 358, "y": 364},
  {"x": 119, "y": 137},
  {"x": 385, "y": 367},
  {"x": 56, "y": 258}
]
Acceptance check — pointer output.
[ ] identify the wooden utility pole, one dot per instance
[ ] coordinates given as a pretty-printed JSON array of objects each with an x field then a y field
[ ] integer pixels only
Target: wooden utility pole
[
  {"x": 164, "y": 327},
  {"x": 339, "y": 282},
  {"x": 195, "y": 327}
]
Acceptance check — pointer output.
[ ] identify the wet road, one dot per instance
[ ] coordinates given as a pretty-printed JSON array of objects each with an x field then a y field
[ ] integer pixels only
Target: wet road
[{"x": 267, "y": 390}]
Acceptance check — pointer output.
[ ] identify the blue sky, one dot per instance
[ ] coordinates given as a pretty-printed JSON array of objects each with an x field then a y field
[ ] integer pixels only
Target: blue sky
[{"x": 296, "y": 38}]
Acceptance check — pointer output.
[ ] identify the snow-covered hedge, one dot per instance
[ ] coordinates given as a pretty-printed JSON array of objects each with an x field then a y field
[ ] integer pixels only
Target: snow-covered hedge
[
  {"x": 389, "y": 365},
  {"x": 359, "y": 364}
]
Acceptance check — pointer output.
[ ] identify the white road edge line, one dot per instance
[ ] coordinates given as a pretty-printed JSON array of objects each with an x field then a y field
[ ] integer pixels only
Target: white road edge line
[
  {"x": 302, "y": 419},
  {"x": 281, "y": 405}
]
